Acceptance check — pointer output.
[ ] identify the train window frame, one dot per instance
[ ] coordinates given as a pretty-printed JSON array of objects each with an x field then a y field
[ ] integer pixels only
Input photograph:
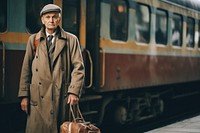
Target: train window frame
[
  {"x": 177, "y": 30},
  {"x": 3, "y": 16},
  {"x": 190, "y": 21},
  {"x": 119, "y": 20},
  {"x": 142, "y": 24},
  {"x": 161, "y": 34},
  {"x": 33, "y": 19}
]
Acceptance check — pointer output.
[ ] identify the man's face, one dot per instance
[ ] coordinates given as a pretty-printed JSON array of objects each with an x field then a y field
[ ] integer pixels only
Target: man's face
[{"x": 51, "y": 20}]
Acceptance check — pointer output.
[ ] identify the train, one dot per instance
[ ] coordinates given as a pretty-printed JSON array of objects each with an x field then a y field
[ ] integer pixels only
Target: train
[{"x": 138, "y": 54}]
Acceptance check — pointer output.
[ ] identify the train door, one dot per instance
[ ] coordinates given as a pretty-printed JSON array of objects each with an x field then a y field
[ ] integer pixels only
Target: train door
[
  {"x": 80, "y": 17},
  {"x": 73, "y": 21},
  {"x": 92, "y": 42}
]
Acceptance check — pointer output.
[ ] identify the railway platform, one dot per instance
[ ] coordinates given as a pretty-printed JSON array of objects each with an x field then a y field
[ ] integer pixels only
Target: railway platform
[{"x": 190, "y": 125}]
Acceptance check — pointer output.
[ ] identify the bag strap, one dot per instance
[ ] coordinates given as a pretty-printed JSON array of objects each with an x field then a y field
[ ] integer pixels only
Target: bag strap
[
  {"x": 79, "y": 113},
  {"x": 36, "y": 42}
]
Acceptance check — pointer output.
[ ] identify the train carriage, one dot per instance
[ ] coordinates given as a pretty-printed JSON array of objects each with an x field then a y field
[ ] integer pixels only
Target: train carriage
[{"x": 138, "y": 55}]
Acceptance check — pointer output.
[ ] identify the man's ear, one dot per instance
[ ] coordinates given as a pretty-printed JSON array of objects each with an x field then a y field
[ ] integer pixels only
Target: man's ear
[
  {"x": 42, "y": 20},
  {"x": 60, "y": 19}
]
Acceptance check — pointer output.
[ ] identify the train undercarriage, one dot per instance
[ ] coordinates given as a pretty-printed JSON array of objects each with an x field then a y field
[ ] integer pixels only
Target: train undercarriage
[{"x": 132, "y": 106}]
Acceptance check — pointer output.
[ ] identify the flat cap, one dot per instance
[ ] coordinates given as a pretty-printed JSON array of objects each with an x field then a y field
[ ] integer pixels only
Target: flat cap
[{"x": 50, "y": 8}]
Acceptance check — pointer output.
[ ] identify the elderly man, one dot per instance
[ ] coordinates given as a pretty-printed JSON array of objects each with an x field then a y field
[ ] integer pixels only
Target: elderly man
[{"x": 52, "y": 74}]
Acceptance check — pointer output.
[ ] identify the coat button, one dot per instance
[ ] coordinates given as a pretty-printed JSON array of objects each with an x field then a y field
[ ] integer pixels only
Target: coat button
[
  {"x": 51, "y": 111},
  {"x": 34, "y": 103},
  {"x": 40, "y": 83},
  {"x": 36, "y": 70}
]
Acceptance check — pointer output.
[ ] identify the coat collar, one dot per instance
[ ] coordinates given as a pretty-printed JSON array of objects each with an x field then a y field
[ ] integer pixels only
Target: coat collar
[
  {"x": 61, "y": 41},
  {"x": 60, "y": 32}
]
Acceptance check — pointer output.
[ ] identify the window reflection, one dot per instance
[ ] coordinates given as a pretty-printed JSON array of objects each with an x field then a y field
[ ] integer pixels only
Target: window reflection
[
  {"x": 190, "y": 33},
  {"x": 142, "y": 23},
  {"x": 33, "y": 8},
  {"x": 176, "y": 30},
  {"x": 118, "y": 20},
  {"x": 161, "y": 27},
  {"x": 3, "y": 15}
]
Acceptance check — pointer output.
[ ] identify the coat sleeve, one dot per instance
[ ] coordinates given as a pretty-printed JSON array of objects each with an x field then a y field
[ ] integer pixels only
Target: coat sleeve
[
  {"x": 78, "y": 69},
  {"x": 26, "y": 74}
]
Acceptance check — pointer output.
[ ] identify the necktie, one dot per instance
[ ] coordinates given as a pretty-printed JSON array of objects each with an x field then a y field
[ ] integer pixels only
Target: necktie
[
  {"x": 51, "y": 48},
  {"x": 49, "y": 41}
]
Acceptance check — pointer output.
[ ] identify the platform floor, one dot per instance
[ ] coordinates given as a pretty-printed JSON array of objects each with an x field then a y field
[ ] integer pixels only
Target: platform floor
[{"x": 191, "y": 125}]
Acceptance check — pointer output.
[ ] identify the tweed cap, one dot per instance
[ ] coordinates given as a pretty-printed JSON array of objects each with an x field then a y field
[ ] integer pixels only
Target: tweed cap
[{"x": 50, "y": 8}]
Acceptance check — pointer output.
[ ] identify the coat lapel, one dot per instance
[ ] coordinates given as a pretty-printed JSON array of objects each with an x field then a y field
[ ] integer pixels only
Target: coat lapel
[
  {"x": 43, "y": 48},
  {"x": 40, "y": 37},
  {"x": 60, "y": 44}
]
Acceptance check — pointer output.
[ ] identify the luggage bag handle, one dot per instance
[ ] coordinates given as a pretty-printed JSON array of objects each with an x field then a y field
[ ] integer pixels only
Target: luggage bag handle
[{"x": 79, "y": 114}]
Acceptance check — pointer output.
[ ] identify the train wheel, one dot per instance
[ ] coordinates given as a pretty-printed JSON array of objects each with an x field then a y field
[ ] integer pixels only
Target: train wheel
[{"x": 120, "y": 115}]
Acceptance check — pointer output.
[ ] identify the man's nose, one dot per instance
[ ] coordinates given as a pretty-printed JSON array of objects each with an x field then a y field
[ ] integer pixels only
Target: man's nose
[{"x": 51, "y": 19}]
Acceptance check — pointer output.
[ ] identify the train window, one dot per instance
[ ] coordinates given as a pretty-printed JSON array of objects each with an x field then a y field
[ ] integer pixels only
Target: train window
[
  {"x": 177, "y": 30},
  {"x": 33, "y": 8},
  {"x": 3, "y": 15},
  {"x": 70, "y": 13},
  {"x": 161, "y": 27},
  {"x": 119, "y": 20},
  {"x": 190, "y": 33},
  {"x": 142, "y": 23}
]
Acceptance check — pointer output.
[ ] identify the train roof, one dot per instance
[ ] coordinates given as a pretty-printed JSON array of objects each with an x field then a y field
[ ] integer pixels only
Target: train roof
[{"x": 192, "y": 4}]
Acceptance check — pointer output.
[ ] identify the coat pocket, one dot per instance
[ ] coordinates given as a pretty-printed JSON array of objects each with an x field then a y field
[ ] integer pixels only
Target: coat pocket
[{"x": 34, "y": 94}]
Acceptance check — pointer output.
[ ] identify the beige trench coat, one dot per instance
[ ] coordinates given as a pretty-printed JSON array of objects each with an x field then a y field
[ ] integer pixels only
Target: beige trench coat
[{"x": 46, "y": 90}]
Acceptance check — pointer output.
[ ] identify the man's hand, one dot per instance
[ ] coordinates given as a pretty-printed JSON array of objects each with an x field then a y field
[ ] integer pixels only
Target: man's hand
[
  {"x": 24, "y": 104},
  {"x": 72, "y": 99}
]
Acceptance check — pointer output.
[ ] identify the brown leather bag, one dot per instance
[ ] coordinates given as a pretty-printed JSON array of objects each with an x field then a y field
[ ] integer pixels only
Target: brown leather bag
[{"x": 78, "y": 125}]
